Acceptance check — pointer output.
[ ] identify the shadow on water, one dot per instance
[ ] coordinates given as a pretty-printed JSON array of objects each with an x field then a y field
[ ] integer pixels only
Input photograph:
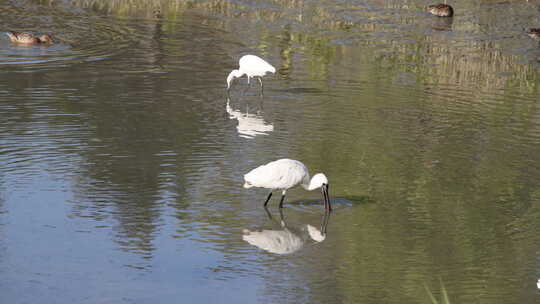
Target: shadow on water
[{"x": 315, "y": 205}]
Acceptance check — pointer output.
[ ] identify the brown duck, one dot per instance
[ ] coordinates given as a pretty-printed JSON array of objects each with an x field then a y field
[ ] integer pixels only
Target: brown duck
[
  {"x": 27, "y": 38},
  {"x": 534, "y": 33},
  {"x": 441, "y": 10}
]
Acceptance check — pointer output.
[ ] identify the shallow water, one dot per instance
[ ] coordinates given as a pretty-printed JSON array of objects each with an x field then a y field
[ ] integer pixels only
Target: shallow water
[{"x": 122, "y": 158}]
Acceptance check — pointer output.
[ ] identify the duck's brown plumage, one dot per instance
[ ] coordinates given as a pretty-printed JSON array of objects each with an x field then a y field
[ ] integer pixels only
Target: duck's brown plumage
[
  {"x": 441, "y": 10},
  {"x": 534, "y": 33},
  {"x": 27, "y": 38}
]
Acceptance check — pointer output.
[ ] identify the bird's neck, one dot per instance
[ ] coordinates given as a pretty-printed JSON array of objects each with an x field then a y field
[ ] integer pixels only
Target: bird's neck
[
  {"x": 307, "y": 183},
  {"x": 232, "y": 75},
  {"x": 237, "y": 73}
]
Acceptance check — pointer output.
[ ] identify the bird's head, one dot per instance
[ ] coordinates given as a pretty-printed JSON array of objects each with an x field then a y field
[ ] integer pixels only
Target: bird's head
[
  {"x": 234, "y": 74},
  {"x": 12, "y": 35},
  {"x": 45, "y": 39},
  {"x": 317, "y": 181}
]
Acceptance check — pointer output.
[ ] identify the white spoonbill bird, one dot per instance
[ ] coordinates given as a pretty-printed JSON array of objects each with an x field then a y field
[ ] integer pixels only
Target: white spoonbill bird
[
  {"x": 252, "y": 66},
  {"x": 284, "y": 174}
]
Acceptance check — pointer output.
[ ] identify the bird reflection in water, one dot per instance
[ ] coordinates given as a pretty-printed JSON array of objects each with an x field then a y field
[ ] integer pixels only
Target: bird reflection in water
[
  {"x": 286, "y": 240},
  {"x": 442, "y": 24},
  {"x": 249, "y": 125}
]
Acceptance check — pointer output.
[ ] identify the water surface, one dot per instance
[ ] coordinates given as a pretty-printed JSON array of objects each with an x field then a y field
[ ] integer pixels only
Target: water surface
[{"x": 122, "y": 158}]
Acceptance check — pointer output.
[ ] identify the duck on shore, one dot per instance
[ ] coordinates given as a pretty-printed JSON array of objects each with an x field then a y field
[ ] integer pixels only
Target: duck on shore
[
  {"x": 441, "y": 10},
  {"x": 28, "y": 38}
]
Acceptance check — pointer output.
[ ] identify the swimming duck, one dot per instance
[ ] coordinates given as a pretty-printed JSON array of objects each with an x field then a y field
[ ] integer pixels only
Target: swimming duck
[
  {"x": 27, "y": 38},
  {"x": 534, "y": 33},
  {"x": 441, "y": 10}
]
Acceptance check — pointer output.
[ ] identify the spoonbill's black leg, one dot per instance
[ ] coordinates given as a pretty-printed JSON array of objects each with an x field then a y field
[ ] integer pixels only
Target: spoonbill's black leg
[
  {"x": 262, "y": 86},
  {"x": 268, "y": 198},
  {"x": 281, "y": 201}
]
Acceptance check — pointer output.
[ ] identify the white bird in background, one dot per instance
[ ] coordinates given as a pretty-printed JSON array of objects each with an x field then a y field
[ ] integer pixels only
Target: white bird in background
[
  {"x": 252, "y": 66},
  {"x": 284, "y": 174}
]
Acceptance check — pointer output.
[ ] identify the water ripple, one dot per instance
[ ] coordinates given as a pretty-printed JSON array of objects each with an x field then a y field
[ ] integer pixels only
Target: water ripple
[{"x": 78, "y": 36}]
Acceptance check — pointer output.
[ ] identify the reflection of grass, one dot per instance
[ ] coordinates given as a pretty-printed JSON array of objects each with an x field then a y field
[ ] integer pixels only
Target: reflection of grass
[
  {"x": 477, "y": 65},
  {"x": 445, "y": 299}
]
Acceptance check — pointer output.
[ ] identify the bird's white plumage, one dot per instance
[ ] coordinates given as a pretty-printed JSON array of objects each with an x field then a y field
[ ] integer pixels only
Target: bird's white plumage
[
  {"x": 252, "y": 66},
  {"x": 280, "y": 174},
  {"x": 255, "y": 66},
  {"x": 284, "y": 174}
]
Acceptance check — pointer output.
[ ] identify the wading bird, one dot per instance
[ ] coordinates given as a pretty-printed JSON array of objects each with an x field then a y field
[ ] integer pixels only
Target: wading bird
[
  {"x": 252, "y": 66},
  {"x": 284, "y": 174},
  {"x": 441, "y": 10},
  {"x": 27, "y": 38}
]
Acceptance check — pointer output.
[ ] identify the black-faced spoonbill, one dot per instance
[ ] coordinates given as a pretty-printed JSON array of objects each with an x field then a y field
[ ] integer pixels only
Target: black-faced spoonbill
[
  {"x": 252, "y": 66},
  {"x": 284, "y": 174}
]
